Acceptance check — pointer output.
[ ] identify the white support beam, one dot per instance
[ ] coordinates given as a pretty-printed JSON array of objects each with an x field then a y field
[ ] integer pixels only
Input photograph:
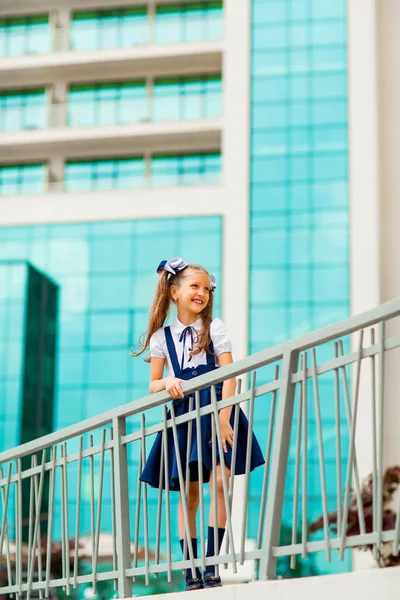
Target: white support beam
[
  {"x": 111, "y": 64},
  {"x": 113, "y": 205},
  {"x": 363, "y": 154},
  {"x": 121, "y": 140}
]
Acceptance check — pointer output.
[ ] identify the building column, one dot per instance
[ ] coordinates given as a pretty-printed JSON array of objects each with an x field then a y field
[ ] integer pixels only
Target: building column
[
  {"x": 61, "y": 24},
  {"x": 388, "y": 18},
  {"x": 57, "y": 108},
  {"x": 55, "y": 174},
  {"x": 236, "y": 159}
]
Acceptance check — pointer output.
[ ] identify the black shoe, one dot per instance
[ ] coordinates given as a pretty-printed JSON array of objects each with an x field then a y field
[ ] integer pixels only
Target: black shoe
[
  {"x": 212, "y": 581},
  {"x": 194, "y": 583}
]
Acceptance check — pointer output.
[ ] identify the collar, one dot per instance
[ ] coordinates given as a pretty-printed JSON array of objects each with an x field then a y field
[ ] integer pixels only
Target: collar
[{"x": 177, "y": 327}]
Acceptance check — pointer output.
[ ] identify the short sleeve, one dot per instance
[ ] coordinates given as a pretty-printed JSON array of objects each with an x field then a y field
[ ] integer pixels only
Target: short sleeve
[
  {"x": 220, "y": 337},
  {"x": 156, "y": 348}
]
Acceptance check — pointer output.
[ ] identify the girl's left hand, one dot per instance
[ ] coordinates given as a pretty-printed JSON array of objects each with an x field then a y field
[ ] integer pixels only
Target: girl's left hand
[{"x": 226, "y": 433}]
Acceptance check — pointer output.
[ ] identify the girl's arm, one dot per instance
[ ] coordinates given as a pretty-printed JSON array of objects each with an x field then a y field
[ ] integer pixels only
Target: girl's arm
[
  {"x": 228, "y": 390},
  {"x": 158, "y": 383}
]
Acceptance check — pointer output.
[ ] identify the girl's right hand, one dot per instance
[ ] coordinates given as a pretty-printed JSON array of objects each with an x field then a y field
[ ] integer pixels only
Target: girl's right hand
[{"x": 173, "y": 387}]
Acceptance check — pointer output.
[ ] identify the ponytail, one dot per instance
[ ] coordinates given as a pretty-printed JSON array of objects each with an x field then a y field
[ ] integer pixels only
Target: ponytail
[{"x": 158, "y": 313}]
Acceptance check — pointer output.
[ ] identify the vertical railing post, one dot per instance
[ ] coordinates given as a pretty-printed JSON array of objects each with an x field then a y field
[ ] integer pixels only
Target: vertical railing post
[
  {"x": 280, "y": 455},
  {"x": 122, "y": 508}
]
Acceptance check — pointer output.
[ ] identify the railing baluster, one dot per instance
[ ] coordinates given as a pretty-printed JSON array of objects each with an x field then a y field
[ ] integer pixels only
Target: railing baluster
[
  {"x": 78, "y": 513},
  {"x": 350, "y": 464},
  {"x": 236, "y": 409},
  {"x": 159, "y": 506},
  {"x": 38, "y": 507},
  {"x": 248, "y": 464},
  {"x": 92, "y": 515},
  {"x": 167, "y": 498},
  {"x": 321, "y": 455},
  {"x": 4, "y": 527},
  {"x": 31, "y": 518},
  {"x": 112, "y": 492},
  {"x": 267, "y": 467},
  {"x": 304, "y": 482},
  {"x": 50, "y": 519},
  {"x": 182, "y": 490},
  {"x": 122, "y": 507},
  {"x": 279, "y": 464},
  {"x": 145, "y": 506},
  {"x": 66, "y": 517},
  {"x": 200, "y": 470},
  {"x": 214, "y": 498},
  {"x": 338, "y": 447},
  {"x": 357, "y": 485},
  {"x": 374, "y": 463},
  {"x": 296, "y": 478},
  {"x": 223, "y": 475},
  {"x": 137, "y": 511},
  {"x": 99, "y": 506},
  {"x": 188, "y": 450},
  {"x": 36, "y": 528},
  {"x": 381, "y": 383},
  {"x": 18, "y": 525}
]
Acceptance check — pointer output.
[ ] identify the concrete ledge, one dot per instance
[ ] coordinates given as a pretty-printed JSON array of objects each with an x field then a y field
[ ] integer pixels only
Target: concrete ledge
[{"x": 368, "y": 585}]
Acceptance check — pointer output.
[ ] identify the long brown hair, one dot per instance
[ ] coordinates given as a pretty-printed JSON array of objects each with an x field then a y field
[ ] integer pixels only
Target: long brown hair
[{"x": 161, "y": 305}]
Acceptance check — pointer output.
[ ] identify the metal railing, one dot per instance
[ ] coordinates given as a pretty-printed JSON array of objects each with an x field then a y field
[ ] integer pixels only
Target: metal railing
[{"x": 84, "y": 479}]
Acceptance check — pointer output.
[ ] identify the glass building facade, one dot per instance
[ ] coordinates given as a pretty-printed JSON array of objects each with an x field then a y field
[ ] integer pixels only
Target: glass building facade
[
  {"x": 299, "y": 213},
  {"x": 24, "y": 35},
  {"x": 106, "y": 274},
  {"x": 299, "y": 248},
  {"x": 127, "y": 27},
  {"x": 115, "y": 28},
  {"x": 18, "y": 180},
  {"x": 22, "y": 110},
  {"x": 28, "y": 327}
]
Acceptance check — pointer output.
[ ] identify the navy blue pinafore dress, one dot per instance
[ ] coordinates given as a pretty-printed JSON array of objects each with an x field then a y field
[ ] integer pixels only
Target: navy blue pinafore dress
[{"x": 151, "y": 471}]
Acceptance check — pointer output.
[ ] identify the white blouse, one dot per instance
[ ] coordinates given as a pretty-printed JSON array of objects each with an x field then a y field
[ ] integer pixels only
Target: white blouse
[{"x": 158, "y": 344}]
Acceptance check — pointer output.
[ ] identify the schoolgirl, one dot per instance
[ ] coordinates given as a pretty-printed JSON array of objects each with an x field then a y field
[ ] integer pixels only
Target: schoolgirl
[{"x": 192, "y": 345}]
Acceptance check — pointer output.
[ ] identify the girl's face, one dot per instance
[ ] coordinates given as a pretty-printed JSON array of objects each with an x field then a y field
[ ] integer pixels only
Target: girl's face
[{"x": 193, "y": 292}]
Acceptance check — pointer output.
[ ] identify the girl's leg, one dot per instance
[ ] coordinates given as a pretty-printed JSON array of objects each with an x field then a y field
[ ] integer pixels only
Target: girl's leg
[
  {"x": 221, "y": 511},
  {"x": 213, "y": 550},
  {"x": 193, "y": 504}
]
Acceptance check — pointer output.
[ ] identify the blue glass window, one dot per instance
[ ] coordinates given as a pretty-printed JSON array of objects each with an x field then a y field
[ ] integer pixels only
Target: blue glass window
[
  {"x": 105, "y": 174},
  {"x": 192, "y": 22},
  {"x": 185, "y": 170},
  {"x": 128, "y": 102},
  {"x": 192, "y": 169},
  {"x": 118, "y": 28},
  {"x": 22, "y": 179},
  {"x": 180, "y": 99},
  {"x": 22, "y": 110},
  {"x": 24, "y": 35},
  {"x": 107, "y": 104}
]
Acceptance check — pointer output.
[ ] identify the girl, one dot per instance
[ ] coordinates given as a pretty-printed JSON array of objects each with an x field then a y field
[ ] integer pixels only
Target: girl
[{"x": 192, "y": 345}]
